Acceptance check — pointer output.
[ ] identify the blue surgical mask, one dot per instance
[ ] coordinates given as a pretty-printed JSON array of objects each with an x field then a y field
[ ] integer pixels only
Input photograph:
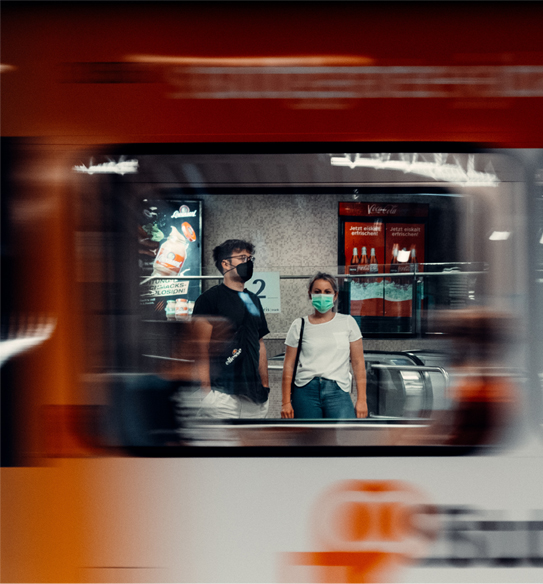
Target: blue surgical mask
[{"x": 322, "y": 302}]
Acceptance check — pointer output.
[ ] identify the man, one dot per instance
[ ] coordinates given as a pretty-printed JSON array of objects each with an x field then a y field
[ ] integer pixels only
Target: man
[{"x": 229, "y": 326}]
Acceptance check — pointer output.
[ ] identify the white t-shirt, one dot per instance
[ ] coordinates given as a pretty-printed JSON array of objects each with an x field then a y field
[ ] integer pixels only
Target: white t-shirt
[{"x": 325, "y": 349}]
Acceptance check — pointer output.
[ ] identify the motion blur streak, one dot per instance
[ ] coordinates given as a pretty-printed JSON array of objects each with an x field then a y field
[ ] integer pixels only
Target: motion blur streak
[
  {"x": 301, "y": 61},
  {"x": 320, "y": 132},
  {"x": 44, "y": 514}
]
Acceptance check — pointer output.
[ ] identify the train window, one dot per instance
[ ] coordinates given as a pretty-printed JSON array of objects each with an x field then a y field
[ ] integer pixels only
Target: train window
[
  {"x": 424, "y": 251},
  {"x": 536, "y": 338}
]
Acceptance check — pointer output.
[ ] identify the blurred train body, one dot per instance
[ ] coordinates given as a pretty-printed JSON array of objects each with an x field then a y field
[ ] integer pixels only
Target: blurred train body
[{"x": 275, "y": 122}]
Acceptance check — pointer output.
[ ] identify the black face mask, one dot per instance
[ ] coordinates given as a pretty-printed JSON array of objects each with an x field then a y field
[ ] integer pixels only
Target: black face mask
[{"x": 245, "y": 270}]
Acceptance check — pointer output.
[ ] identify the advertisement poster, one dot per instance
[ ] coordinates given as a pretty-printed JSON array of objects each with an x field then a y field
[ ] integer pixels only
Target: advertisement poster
[
  {"x": 169, "y": 238},
  {"x": 384, "y": 238},
  {"x": 404, "y": 248},
  {"x": 364, "y": 251}
]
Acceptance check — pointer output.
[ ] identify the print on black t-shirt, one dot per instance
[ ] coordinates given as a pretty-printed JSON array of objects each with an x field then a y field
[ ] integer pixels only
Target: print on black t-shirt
[{"x": 238, "y": 325}]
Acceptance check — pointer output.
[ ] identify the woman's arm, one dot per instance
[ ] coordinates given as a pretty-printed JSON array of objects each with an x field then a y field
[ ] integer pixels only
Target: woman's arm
[
  {"x": 359, "y": 370},
  {"x": 288, "y": 371}
]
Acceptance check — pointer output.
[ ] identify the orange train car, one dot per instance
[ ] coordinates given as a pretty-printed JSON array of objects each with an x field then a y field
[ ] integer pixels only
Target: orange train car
[{"x": 267, "y": 117}]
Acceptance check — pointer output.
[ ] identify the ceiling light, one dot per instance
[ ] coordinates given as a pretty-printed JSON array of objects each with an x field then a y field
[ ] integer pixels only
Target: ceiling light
[
  {"x": 111, "y": 167},
  {"x": 431, "y": 165},
  {"x": 499, "y": 235}
]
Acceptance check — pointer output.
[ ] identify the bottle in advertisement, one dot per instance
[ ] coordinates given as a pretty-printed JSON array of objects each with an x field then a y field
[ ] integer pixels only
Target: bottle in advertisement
[
  {"x": 394, "y": 261},
  {"x": 355, "y": 260},
  {"x": 413, "y": 259},
  {"x": 173, "y": 252},
  {"x": 391, "y": 283},
  {"x": 374, "y": 267},
  {"x": 367, "y": 296},
  {"x": 181, "y": 308},
  {"x": 398, "y": 293},
  {"x": 375, "y": 289},
  {"x": 170, "y": 310},
  {"x": 404, "y": 266},
  {"x": 364, "y": 259},
  {"x": 364, "y": 265}
]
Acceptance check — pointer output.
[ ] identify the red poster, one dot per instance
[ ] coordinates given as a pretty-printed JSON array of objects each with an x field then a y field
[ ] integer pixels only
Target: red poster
[
  {"x": 404, "y": 248},
  {"x": 364, "y": 251}
]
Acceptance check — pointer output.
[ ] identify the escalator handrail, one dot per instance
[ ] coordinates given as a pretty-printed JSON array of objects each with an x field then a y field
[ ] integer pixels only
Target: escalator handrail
[{"x": 421, "y": 368}]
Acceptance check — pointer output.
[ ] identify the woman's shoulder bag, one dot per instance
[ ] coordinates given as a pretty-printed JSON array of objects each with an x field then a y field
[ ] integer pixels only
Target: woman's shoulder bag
[{"x": 297, "y": 356}]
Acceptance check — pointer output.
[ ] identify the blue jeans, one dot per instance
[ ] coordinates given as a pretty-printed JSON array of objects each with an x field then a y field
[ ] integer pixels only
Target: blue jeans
[{"x": 321, "y": 398}]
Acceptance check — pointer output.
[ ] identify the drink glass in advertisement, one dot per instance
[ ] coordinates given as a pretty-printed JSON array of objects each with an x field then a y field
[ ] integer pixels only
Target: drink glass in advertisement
[
  {"x": 172, "y": 253},
  {"x": 181, "y": 308},
  {"x": 170, "y": 310}
]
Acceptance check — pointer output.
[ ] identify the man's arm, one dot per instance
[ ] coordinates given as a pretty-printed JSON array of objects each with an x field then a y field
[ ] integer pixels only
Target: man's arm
[
  {"x": 263, "y": 364},
  {"x": 202, "y": 330}
]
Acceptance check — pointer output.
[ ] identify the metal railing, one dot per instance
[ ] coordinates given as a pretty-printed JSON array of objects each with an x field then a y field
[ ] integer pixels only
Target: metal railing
[
  {"x": 414, "y": 272},
  {"x": 421, "y": 368}
]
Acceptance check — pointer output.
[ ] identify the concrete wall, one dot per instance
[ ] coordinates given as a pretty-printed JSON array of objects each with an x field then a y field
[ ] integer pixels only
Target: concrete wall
[{"x": 298, "y": 235}]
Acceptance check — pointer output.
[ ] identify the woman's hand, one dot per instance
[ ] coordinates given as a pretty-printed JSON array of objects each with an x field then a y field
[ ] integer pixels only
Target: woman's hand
[
  {"x": 361, "y": 409},
  {"x": 287, "y": 411},
  {"x": 286, "y": 382}
]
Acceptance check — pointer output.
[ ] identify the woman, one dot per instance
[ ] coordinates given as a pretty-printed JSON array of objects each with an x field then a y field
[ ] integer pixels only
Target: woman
[{"x": 323, "y": 381}]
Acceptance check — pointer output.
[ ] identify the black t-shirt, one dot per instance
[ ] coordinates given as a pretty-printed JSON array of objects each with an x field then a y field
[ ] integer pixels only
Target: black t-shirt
[{"x": 238, "y": 325}]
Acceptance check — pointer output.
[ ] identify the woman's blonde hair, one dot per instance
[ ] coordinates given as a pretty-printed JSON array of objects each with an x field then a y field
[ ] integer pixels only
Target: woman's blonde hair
[{"x": 323, "y": 276}]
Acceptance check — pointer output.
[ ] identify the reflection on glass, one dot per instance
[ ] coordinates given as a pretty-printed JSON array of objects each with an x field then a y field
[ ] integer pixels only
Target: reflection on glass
[{"x": 399, "y": 255}]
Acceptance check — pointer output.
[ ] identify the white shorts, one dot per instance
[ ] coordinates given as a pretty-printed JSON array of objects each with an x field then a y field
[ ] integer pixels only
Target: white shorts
[{"x": 222, "y": 405}]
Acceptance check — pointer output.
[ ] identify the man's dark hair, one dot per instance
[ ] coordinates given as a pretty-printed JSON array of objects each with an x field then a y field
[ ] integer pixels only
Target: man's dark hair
[{"x": 229, "y": 248}]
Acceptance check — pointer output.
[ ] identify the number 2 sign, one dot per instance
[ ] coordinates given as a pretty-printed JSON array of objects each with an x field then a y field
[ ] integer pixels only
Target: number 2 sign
[{"x": 266, "y": 286}]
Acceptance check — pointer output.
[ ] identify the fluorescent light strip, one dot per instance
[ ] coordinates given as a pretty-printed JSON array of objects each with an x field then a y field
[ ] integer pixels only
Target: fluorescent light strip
[
  {"x": 499, "y": 235},
  {"x": 438, "y": 169}
]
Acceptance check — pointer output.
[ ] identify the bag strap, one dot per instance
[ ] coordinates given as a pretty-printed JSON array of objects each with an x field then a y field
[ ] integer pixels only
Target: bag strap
[{"x": 298, "y": 351}]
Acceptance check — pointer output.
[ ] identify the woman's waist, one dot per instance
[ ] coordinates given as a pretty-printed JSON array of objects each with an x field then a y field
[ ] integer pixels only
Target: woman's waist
[{"x": 344, "y": 381}]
